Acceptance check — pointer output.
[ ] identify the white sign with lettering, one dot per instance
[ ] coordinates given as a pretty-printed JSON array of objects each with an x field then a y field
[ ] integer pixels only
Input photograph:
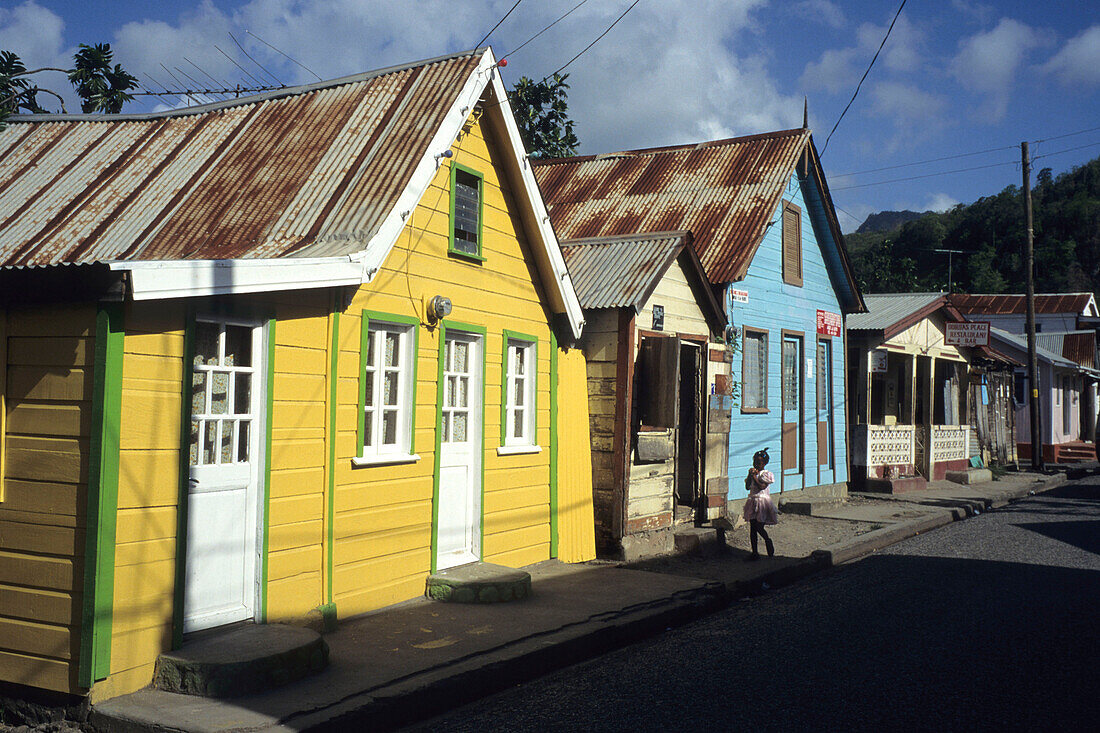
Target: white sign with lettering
[{"x": 967, "y": 334}]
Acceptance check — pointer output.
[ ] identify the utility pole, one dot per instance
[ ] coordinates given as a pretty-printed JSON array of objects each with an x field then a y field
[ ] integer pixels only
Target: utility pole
[
  {"x": 1032, "y": 357},
  {"x": 950, "y": 253}
]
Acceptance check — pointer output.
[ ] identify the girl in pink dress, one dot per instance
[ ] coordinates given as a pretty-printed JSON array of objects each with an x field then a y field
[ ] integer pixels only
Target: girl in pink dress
[{"x": 759, "y": 508}]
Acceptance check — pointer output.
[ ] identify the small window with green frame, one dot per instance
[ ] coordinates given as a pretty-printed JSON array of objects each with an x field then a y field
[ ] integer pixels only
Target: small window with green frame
[
  {"x": 466, "y": 213},
  {"x": 518, "y": 405}
]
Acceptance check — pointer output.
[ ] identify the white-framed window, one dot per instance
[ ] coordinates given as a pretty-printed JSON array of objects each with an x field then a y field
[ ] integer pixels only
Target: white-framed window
[
  {"x": 387, "y": 400},
  {"x": 754, "y": 370},
  {"x": 518, "y": 426}
]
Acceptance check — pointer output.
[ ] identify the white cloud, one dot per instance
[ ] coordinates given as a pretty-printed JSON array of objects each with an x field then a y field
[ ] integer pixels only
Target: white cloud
[
  {"x": 823, "y": 11},
  {"x": 907, "y": 104},
  {"x": 988, "y": 63},
  {"x": 939, "y": 202},
  {"x": 1078, "y": 63},
  {"x": 36, "y": 35},
  {"x": 840, "y": 69}
]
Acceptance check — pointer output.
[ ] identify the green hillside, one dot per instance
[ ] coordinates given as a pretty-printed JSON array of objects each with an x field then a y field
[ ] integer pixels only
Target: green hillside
[{"x": 991, "y": 234}]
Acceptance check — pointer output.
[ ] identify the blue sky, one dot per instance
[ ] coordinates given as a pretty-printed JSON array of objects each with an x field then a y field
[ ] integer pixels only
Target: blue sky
[{"x": 955, "y": 77}]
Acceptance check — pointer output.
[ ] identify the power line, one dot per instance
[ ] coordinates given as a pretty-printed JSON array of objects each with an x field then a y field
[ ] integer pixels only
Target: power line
[
  {"x": 562, "y": 17},
  {"x": 585, "y": 49},
  {"x": 865, "y": 73},
  {"x": 478, "y": 44},
  {"x": 926, "y": 175},
  {"x": 1067, "y": 150},
  {"x": 930, "y": 160},
  {"x": 1068, "y": 134}
]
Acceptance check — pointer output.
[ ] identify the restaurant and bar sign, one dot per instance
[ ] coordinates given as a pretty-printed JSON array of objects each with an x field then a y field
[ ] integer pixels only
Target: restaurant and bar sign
[
  {"x": 828, "y": 324},
  {"x": 967, "y": 334}
]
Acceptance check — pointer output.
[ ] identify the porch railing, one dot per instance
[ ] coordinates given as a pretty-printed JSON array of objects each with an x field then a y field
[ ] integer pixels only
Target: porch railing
[
  {"x": 889, "y": 445},
  {"x": 950, "y": 443}
]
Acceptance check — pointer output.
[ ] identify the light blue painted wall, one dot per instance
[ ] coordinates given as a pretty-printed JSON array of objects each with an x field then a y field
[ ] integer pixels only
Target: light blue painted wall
[{"x": 774, "y": 305}]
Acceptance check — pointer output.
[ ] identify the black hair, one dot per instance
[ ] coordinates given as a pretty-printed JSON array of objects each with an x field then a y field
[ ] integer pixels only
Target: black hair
[{"x": 761, "y": 454}]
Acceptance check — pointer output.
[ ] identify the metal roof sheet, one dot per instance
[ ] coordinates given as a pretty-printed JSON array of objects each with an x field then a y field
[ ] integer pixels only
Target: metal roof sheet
[
  {"x": 884, "y": 310},
  {"x": 613, "y": 272},
  {"x": 305, "y": 171},
  {"x": 1019, "y": 341},
  {"x": 724, "y": 192},
  {"x": 1077, "y": 346},
  {"x": 1015, "y": 304}
]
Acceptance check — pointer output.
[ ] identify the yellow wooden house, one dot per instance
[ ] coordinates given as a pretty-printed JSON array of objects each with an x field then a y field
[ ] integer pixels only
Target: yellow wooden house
[{"x": 275, "y": 358}]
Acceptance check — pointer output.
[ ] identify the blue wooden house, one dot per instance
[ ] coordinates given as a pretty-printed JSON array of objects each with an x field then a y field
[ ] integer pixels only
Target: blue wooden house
[{"x": 764, "y": 228}]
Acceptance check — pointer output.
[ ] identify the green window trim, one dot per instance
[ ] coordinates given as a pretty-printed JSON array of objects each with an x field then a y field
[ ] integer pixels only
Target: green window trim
[
  {"x": 533, "y": 375},
  {"x": 414, "y": 351},
  {"x": 483, "y": 333},
  {"x": 103, "y": 471},
  {"x": 477, "y": 256}
]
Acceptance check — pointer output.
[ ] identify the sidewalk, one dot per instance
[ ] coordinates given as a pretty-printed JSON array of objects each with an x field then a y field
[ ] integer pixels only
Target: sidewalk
[{"x": 417, "y": 659}]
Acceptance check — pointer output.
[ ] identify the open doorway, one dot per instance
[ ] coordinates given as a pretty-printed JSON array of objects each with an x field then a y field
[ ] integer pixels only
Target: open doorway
[{"x": 689, "y": 433}]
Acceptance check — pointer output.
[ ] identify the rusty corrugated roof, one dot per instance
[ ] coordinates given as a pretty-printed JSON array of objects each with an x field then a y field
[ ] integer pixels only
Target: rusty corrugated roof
[
  {"x": 1077, "y": 346},
  {"x": 304, "y": 171},
  {"x": 724, "y": 192},
  {"x": 614, "y": 272},
  {"x": 1047, "y": 303}
]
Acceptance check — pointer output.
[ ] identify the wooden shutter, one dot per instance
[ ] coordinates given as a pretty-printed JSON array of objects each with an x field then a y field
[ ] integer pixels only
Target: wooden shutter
[
  {"x": 658, "y": 376},
  {"x": 792, "y": 244}
]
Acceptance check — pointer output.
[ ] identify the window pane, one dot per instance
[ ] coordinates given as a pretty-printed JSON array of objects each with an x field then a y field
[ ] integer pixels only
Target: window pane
[
  {"x": 463, "y": 384},
  {"x": 449, "y": 400},
  {"x": 368, "y": 388},
  {"x": 242, "y": 441},
  {"x": 519, "y": 421},
  {"x": 389, "y": 427},
  {"x": 461, "y": 352},
  {"x": 518, "y": 399},
  {"x": 194, "y": 453},
  {"x": 206, "y": 343},
  {"x": 790, "y": 375},
  {"x": 392, "y": 349},
  {"x": 390, "y": 388},
  {"x": 219, "y": 396},
  {"x": 238, "y": 346},
  {"x": 446, "y": 427},
  {"x": 198, "y": 393},
  {"x": 242, "y": 394},
  {"x": 755, "y": 371},
  {"x": 371, "y": 337},
  {"x": 210, "y": 440},
  {"x": 460, "y": 427},
  {"x": 227, "y": 441},
  {"x": 368, "y": 428}
]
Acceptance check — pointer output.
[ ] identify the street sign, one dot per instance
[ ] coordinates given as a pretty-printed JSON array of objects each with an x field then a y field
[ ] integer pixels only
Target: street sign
[{"x": 970, "y": 334}]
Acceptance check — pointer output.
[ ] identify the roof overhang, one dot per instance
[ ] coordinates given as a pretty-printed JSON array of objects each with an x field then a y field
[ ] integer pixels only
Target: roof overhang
[{"x": 157, "y": 279}]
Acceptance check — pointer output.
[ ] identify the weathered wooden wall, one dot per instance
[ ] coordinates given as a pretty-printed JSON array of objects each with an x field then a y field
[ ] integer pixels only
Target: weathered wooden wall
[
  {"x": 49, "y": 374},
  {"x": 600, "y": 344}
]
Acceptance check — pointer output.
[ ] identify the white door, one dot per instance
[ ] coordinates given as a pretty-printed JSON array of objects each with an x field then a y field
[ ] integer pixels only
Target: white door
[
  {"x": 458, "y": 538},
  {"x": 223, "y": 495}
]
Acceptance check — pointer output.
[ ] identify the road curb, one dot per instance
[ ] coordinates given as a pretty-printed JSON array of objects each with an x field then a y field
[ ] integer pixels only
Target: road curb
[{"x": 877, "y": 539}]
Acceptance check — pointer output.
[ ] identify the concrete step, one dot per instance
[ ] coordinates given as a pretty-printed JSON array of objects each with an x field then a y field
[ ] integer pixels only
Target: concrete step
[
  {"x": 702, "y": 541},
  {"x": 809, "y": 506},
  {"x": 478, "y": 582},
  {"x": 241, "y": 660}
]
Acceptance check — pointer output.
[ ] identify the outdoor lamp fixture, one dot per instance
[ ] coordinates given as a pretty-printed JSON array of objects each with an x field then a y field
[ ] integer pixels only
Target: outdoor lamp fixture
[
  {"x": 445, "y": 154},
  {"x": 439, "y": 308}
]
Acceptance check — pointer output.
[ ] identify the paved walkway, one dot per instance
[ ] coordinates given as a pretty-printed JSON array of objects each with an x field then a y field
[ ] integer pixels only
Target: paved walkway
[{"x": 416, "y": 659}]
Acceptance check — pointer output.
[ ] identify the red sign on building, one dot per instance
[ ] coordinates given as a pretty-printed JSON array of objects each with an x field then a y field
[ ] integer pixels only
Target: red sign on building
[{"x": 828, "y": 324}]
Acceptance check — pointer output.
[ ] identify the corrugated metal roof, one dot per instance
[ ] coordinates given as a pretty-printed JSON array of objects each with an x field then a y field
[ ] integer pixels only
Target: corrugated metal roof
[
  {"x": 614, "y": 272},
  {"x": 1047, "y": 303},
  {"x": 1019, "y": 341},
  {"x": 724, "y": 192},
  {"x": 305, "y": 171},
  {"x": 884, "y": 310},
  {"x": 1077, "y": 346}
]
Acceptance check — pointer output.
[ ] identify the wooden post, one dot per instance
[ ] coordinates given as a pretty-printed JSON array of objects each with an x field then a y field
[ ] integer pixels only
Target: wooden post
[{"x": 1032, "y": 357}]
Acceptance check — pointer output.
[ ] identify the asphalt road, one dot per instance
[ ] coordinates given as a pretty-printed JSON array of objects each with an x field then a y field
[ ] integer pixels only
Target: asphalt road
[{"x": 988, "y": 624}]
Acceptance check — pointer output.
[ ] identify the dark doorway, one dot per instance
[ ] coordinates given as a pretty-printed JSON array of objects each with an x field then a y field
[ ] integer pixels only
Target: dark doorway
[{"x": 689, "y": 432}]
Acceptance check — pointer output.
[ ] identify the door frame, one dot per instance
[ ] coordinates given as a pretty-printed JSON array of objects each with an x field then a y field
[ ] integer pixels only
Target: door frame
[
  {"x": 482, "y": 333},
  {"x": 261, "y": 437},
  {"x": 830, "y": 411},
  {"x": 799, "y": 337}
]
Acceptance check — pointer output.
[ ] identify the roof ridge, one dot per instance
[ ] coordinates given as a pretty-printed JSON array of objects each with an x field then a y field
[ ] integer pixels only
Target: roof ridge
[
  {"x": 241, "y": 101},
  {"x": 673, "y": 148}
]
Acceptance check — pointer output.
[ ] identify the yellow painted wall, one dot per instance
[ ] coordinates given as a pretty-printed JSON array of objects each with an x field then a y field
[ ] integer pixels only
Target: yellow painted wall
[
  {"x": 576, "y": 524},
  {"x": 43, "y": 499}
]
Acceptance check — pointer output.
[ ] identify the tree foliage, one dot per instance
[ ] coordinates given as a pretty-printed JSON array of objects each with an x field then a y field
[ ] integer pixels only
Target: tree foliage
[
  {"x": 100, "y": 86},
  {"x": 542, "y": 115},
  {"x": 992, "y": 236}
]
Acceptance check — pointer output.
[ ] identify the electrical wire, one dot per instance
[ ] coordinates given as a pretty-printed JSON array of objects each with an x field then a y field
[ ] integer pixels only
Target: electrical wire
[
  {"x": 562, "y": 17},
  {"x": 930, "y": 160},
  {"x": 483, "y": 40},
  {"x": 1067, "y": 150},
  {"x": 1068, "y": 134},
  {"x": 865, "y": 73},
  {"x": 926, "y": 175},
  {"x": 585, "y": 49}
]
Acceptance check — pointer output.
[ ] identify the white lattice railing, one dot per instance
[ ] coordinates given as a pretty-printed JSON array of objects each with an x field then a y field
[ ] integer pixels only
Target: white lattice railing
[
  {"x": 950, "y": 443},
  {"x": 889, "y": 445}
]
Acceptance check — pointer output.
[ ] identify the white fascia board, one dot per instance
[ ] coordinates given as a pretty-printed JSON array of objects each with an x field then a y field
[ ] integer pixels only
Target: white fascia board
[
  {"x": 159, "y": 279},
  {"x": 381, "y": 244},
  {"x": 532, "y": 196}
]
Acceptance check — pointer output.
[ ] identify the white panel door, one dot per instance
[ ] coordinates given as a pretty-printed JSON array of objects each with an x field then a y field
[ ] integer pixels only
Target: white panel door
[
  {"x": 458, "y": 530},
  {"x": 223, "y": 494}
]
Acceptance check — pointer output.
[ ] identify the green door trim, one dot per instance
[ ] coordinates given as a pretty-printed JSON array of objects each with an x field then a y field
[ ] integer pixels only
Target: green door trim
[{"x": 103, "y": 471}]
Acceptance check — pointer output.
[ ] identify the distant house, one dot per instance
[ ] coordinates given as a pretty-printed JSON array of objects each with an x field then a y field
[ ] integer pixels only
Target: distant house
[
  {"x": 765, "y": 232},
  {"x": 652, "y": 330},
  {"x": 275, "y": 358},
  {"x": 1067, "y": 327},
  {"x": 916, "y": 401}
]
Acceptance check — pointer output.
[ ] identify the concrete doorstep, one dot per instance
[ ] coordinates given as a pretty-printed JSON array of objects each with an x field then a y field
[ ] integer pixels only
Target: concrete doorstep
[{"x": 412, "y": 661}]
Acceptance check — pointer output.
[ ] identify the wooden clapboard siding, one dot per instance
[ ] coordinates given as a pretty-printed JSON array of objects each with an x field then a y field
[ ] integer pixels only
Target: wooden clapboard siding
[
  {"x": 600, "y": 345},
  {"x": 46, "y": 371},
  {"x": 382, "y": 521},
  {"x": 576, "y": 524},
  {"x": 775, "y": 305},
  {"x": 153, "y": 372}
]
